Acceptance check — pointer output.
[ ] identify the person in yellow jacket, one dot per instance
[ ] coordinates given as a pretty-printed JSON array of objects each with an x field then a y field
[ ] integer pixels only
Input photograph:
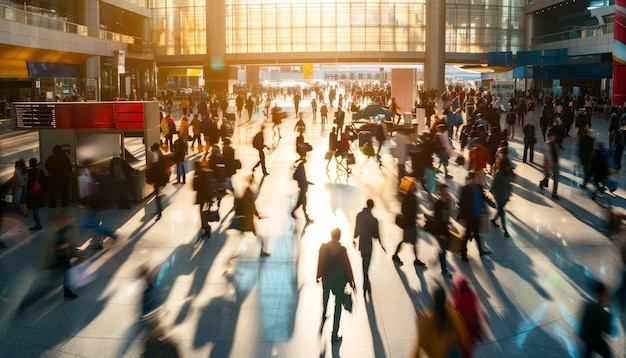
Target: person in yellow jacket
[
  {"x": 184, "y": 128},
  {"x": 441, "y": 332}
]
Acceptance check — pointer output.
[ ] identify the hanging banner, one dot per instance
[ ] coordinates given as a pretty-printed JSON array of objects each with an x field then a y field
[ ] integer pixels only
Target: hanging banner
[{"x": 307, "y": 71}]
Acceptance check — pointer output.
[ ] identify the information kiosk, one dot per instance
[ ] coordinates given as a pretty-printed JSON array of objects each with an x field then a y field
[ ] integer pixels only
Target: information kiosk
[{"x": 93, "y": 131}]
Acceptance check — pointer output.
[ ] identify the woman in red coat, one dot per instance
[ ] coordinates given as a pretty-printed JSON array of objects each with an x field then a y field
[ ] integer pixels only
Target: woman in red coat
[{"x": 467, "y": 304}]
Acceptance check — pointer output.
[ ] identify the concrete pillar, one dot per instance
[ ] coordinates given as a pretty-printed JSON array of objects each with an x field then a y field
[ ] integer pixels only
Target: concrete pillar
[
  {"x": 91, "y": 16},
  {"x": 619, "y": 55},
  {"x": 435, "y": 64}
]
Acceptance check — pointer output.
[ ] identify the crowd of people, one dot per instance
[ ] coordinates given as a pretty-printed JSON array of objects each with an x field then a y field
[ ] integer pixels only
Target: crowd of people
[{"x": 455, "y": 323}]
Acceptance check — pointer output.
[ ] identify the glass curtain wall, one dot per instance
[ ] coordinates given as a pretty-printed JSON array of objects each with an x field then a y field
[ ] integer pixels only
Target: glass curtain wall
[
  {"x": 179, "y": 27},
  {"x": 472, "y": 26}
]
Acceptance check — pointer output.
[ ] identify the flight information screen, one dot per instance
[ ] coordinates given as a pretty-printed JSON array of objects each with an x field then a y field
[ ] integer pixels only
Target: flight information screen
[{"x": 34, "y": 115}]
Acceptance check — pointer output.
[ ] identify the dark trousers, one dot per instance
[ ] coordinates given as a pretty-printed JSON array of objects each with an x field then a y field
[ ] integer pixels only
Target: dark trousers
[
  {"x": 473, "y": 227},
  {"x": 301, "y": 201},
  {"x": 529, "y": 152},
  {"x": 261, "y": 161},
  {"x": 198, "y": 137},
  {"x": 367, "y": 258},
  {"x": 601, "y": 347},
  {"x": 555, "y": 178},
  {"x": 59, "y": 184},
  {"x": 157, "y": 199},
  {"x": 443, "y": 246},
  {"x": 180, "y": 171},
  {"x": 339, "y": 296},
  {"x": 500, "y": 214}
]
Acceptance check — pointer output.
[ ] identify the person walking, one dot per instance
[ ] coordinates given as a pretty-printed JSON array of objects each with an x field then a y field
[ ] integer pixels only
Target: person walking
[
  {"x": 277, "y": 120},
  {"x": 467, "y": 303},
  {"x": 595, "y": 322},
  {"x": 18, "y": 186},
  {"x": 92, "y": 197},
  {"x": 333, "y": 146},
  {"x": 334, "y": 272},
  {"x": 299, "y": 176},
  {"x": 180, "y": 152},
  {"x": 395, "y": 109},
  {"x": 529, "y": 142},
  {"x": 157, "y": 174},
  {"x": 551, "y": 164},
  {"x": 258, "y": 142},
  {"x": 501, "y": 187},
  {"x": 442, "y": 213},
  {"x": 479, "y": 158},
  {"x": 366, "y": 229},
  {"x": 202, "y": 181},
  {"x": 471, "y": 205},
  {"x": 441, "y": 332},
  {"x": 120, "y": 171},
  {"x": 184, "y": 105},
  {"x": 34, "y": 191},
  {"x": 59, "y": 167},
  {"x": 245, "y": 208},
  {"x": 314, "y": 109},
  {"x": 511, "y": 119},
  {"x": 340, "y": 117},
  {"x": 249, "y": 107},
  {"x": 324, "y": 114},
  {"x": 196, "y": 128},
  {"x": 184, "y": 128},
  {"x": 409, "y": 228}
]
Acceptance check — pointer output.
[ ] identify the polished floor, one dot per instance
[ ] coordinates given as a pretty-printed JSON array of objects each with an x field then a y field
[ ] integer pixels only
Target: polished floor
[{"x": 223, "y": 300}]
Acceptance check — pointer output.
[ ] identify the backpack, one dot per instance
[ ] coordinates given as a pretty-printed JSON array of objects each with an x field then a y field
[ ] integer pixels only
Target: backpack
[
  {"x": 511, "y": 118},
  {"x": 257, "y": 141}
]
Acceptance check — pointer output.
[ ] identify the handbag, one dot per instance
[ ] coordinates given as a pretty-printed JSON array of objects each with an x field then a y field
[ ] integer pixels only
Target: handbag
[
  {"x": 400, "y": 220},
  {"x": 36, "y": 185},
  {"x": 350, "y": 158},
  {"x": 237, "y": 222},
  {"x": 348, "y": 304},
  {"x": 8, "y": 198},
  {"x": 81, "y": 274}
]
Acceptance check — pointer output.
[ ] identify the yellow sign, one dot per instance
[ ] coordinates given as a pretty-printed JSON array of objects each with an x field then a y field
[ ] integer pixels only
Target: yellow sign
[{"x": 307, "y": 71}]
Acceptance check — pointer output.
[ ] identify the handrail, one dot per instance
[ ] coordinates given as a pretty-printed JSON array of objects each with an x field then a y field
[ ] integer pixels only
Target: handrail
[
  {"x": 48, "y": 22},
  {"x": 580, "y": 32}
]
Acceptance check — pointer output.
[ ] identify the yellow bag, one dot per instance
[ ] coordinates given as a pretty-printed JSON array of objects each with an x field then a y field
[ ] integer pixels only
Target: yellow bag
[{"x": 406, "y": 182}]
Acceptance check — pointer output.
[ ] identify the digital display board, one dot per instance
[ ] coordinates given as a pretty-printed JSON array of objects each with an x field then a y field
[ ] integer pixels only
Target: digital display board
[
  {"x": 35, "y": 115},
  {"x": 79, "y": 115}
]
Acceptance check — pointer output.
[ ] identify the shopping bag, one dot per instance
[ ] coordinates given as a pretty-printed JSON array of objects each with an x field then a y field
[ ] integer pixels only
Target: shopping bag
[
  {"x": 81, "y": 274},
  {"x": 485, "y": 225},
  {"x": 455, "y": 241},
  {"x": 406, "y": 182},
  {"x": 8, "y": 198}
]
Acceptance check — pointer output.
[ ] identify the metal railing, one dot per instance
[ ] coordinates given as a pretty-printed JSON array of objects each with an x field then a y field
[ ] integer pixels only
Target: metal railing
[
  {"x": 583, "y": 31},
  {"x": 52, "y": 23}
]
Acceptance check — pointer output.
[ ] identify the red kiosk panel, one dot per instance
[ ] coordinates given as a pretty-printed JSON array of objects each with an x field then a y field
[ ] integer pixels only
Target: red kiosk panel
[{"x": 85, "y": 116}]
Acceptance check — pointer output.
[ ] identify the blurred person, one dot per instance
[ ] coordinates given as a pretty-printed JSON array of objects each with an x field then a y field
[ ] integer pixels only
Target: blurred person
[
  {"x": 467, "y": 303},
  {"x": 277, "y": 120},
  {"x": 324, "y": 114},
  {"x": 501, "y": 188},
  {"x": 59, "y": 167},
  {"x": 333, "y": 146},
  {"x": 239, "y": 102},
  {"x": 58, "y": 262},
  {"x": 258, "y": 143},
  {"x": 300, "y": 177},
  {"x": 157, "y": 174},
  {"x": 18, "y": 186},
  {"x": 479, "y": 158},
  {"x": 382, "y": 135},
  {"x": 340, "y": 117},
  {"x": 202, "y": 186},
  {"x": 441, "y": 332},
  {"x": 249, "y": 107},
  {"x": 334, "y": 272},
  {"x": 183, "y": 131},
  {"x": 184, "y": 105},
  {"x": 551, "y": 164},
  {"x": 245, "y": 209},
  {"x": 151, "y": 299},
  {"x": 366, "y": 229},
  {"x": 395, "y": 109},
  {"x": 443, "y": 151},
  {"x": 471, "y": 205},
  {"x": 586, "y": 145},
  {"x": 409, "y": 227},
  {"x": 595, "y": 323},
  {"x": 196, "y": 126},
  {"x": 314, "y": 109},
  {"x": 92, "y": 202},
  {"x": 529, "y": 142},
  {"x": 300, "y": 124},
  {"x": 180, "y": 152},
  {"x": 443, "y": 210},
  {"x": 34, "y": 191},
  {"x": 171, "y": 129},
  {"x": 120, "y": 171}
]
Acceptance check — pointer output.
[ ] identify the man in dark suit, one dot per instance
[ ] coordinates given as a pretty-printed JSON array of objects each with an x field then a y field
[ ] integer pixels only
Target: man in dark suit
[
  {"x": 471, "y": 204},
  {"x": 334, "y": 271},
  {"x": 366, "y": 229},
  {"x": 340, "y": 117}
]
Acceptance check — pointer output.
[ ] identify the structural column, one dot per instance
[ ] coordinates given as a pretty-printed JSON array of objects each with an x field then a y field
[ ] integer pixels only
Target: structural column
[
  {"x": 619, "y": 54},
  {"x": 435, "y": 64}
]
